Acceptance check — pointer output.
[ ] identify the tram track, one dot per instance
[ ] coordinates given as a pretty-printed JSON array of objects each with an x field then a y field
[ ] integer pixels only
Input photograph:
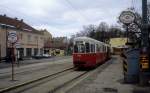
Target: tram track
[
  {"x": 23, "y": 72},
  {"x": 26, "y": 71},
  {"x": 32, "y": 82},
  {"x": 52, "y": 83}
]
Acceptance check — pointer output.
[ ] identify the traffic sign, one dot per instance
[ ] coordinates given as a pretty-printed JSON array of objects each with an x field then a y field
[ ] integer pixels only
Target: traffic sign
[
  {"x": 17, "y": 45},
  {"x": 12, "y": 37},
  {"x": 127, "y": 17},
  {"x": 134, "y": 27}
]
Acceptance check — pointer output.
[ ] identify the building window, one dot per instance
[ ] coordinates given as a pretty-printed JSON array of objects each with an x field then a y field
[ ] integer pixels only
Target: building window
[
  {"x": 41, "y": 51},
  {"x": 29, "y": 52},
  {"x": 21, "y": 36},
  {"x": 21, "y": 53},
  {"x": 29, "y": 37},
  {"x": 36, "y": 38},
  {"x": 35, "y": 51}
]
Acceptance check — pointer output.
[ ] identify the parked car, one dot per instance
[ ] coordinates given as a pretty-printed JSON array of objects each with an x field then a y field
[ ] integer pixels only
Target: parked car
[
  {"x": 40, "y": 56},
  {"x": 37, "y": 56},
  {"x": 46, "y": 56}
]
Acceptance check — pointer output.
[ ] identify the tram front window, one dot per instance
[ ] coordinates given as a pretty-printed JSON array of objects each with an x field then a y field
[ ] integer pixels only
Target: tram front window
[{"x": 80, "y": 48}]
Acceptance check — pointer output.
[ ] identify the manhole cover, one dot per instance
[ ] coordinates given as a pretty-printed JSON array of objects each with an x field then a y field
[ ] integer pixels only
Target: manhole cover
[{"x": 113, "y": 90}]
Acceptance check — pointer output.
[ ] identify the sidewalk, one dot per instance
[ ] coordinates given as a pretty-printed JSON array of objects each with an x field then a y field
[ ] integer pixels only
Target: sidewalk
[
  {"x": 31, "y": 61},
  {"x": 110, "y": 80}
]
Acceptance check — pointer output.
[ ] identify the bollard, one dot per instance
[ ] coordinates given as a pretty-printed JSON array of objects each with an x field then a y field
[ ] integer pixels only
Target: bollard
[{"x": 124, "y": 66}]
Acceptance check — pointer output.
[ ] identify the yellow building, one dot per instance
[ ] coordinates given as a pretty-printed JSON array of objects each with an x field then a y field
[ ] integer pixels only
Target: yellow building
[
  {"x": 47, "y": 41},
  {"x": 30, "y": 41},
  {"x": 118, "y": 44}
]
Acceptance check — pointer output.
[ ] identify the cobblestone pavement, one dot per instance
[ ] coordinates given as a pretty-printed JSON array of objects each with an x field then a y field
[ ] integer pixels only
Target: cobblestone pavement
[{"x": 107, "y": 81}]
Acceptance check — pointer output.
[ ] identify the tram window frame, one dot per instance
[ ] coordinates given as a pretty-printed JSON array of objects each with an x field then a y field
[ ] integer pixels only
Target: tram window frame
[
  {"x": 82, "y": 48},
  {"x": 87, "y": 47},
  {"x": 102, "y": 48},
  {"x": 92, "y": 48},
  {"x": 97, "y": 48}
]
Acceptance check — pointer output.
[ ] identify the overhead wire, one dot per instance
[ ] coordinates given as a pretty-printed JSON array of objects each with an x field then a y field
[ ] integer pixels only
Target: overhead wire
[{"x": 82, "y": 15}]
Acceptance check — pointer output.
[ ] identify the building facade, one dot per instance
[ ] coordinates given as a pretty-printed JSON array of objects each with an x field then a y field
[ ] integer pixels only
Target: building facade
[
  {"x": 118, "y": 44},
  {"x": 56, "y": 46},
  {"x": 30, "y": 41}
]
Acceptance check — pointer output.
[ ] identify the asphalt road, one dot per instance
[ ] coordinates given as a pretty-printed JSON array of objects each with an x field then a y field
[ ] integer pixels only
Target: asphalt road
[
  {"x": 32, "y": 61},
  {"x": 29, "y": 72}
]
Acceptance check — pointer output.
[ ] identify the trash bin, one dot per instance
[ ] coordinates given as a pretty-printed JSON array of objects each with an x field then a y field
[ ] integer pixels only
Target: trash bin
[{"x": 132, "y": 66}]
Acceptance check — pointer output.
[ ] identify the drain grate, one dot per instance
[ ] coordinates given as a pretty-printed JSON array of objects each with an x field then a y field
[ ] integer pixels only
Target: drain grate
[{"x": 112, "y": 90}]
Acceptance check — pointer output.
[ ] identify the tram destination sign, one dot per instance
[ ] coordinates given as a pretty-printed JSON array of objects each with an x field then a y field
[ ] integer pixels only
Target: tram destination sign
[{"x": 127, "y": 17}]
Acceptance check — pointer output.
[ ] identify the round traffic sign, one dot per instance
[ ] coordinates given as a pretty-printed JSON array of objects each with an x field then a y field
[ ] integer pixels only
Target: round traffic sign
[
  {"x": 12, "y": 36},
  {"x": 127, "y": 17},
  {"x": 133, "y": 27}
]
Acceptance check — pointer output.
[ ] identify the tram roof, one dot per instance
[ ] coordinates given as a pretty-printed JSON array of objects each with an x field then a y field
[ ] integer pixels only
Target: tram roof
[{"x": 87, "y": 39}]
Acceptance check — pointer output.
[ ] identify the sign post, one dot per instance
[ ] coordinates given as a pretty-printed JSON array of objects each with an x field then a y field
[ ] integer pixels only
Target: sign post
[
  {"x": 127, "y": 18},
  {"x": 18, "y": 45},
  {"x": 12, "y": 38}
]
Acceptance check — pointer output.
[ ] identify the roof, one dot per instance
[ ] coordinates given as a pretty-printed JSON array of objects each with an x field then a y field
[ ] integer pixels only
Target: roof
[
  {"x": 15, "y": 23},
  {"x": 88, "y": 39}
]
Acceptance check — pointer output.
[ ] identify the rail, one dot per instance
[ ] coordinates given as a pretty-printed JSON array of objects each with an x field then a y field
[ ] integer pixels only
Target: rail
[{"x": 32, "y": 81}]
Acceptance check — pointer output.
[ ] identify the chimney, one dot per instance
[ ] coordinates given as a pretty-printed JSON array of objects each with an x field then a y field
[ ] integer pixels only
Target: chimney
[
  {"x": 4, "y": 15},
  {"x": 21, "y": 20},
  {"x": 15, "y": 18}
]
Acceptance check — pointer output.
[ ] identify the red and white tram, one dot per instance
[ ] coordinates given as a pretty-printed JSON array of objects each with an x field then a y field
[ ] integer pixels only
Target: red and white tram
[{"x": 89, "y": 52}]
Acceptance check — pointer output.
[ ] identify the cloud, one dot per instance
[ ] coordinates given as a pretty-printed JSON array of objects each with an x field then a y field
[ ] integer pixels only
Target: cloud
[
  {"x": 64, "y": 17},
  {"x": 57, "y": 32}
]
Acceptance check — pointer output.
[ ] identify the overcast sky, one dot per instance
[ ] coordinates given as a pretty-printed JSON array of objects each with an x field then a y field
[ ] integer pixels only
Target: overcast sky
[{"x": 65, "y": 17}]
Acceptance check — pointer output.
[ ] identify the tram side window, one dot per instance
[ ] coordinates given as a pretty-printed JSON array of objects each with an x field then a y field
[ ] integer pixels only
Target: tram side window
[
  {"x": 79, "y": 48},
  {"x": 102, "y": 48},
  {"x": 82, "y": 48},
  {"x": 97, "y": 48},
  {"x": 75, "y": 48},
  {"x": 92, "y": 48},
  {"x": 87, "y": 47}
]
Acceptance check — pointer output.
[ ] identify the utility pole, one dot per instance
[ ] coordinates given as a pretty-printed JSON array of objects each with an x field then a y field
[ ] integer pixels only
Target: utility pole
[
  {"x": 144, "y": 52},
  {"x": 144, "y": 24}
]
